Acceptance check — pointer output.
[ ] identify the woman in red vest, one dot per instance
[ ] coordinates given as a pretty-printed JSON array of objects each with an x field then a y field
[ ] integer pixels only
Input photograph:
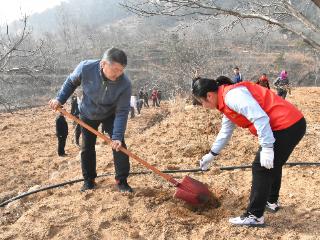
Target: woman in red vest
[{"x": 278, "y": 125}]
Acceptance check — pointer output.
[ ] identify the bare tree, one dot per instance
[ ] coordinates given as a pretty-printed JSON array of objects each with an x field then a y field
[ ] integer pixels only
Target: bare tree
[
  {"x": 285, "y": 14},
  {"x": 21, "y": 57},
  {"x": 10, "y": 45},
  {"x": 9, "y": 48}
]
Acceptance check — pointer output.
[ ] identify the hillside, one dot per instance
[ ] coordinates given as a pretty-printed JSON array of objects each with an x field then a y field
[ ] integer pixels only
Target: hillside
[
  {"x": 162, "y": 51},
  {"x": 171, "y": 137}
]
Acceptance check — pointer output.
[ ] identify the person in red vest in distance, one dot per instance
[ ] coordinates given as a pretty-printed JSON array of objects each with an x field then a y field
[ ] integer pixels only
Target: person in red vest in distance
[
  {"x": 278, "y": 125},
  {"x": 263, "y": 81}
]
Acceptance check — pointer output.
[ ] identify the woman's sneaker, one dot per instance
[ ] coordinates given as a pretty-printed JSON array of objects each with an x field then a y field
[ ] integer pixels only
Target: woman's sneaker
[
  {"x": 272, "y": 207},
  {"x": 248, "y": 219}
]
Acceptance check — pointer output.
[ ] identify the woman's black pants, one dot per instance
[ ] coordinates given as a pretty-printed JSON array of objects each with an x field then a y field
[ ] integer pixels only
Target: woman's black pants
[{"x": 266, "y": 183}]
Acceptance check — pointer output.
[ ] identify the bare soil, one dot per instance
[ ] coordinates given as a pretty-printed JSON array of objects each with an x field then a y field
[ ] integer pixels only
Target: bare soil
[{"x": 174, "y": 136}]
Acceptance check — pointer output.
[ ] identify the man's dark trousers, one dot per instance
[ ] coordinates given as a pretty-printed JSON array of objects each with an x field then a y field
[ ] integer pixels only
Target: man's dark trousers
[{"x": 88, "y": 153}]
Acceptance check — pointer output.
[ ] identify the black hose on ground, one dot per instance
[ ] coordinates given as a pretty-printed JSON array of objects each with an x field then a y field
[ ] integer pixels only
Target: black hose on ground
[
  {"x": 140, "y": 173},
  {"x": 81, "y": 180},
  {"x": 38, "y": 190}
]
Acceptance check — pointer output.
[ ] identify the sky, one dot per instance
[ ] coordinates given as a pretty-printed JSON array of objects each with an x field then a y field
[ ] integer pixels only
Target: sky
[{"x": 11, "y": 10}]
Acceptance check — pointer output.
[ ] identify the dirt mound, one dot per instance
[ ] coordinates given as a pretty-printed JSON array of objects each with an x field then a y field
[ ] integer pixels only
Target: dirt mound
[{"x": 174, "y": 136}]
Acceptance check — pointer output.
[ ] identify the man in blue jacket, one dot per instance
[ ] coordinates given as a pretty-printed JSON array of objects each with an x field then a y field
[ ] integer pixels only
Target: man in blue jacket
[{"x": 106, "y": 100}]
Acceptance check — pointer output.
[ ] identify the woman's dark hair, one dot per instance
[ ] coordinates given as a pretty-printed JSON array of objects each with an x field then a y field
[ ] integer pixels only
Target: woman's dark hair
[{"x": 201, "y": 86}]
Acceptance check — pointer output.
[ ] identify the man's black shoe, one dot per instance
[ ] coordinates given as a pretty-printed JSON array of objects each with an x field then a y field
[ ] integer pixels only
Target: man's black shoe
[
  {"x": 88, "y": 184},
  {"x": 123, "y": 186}
]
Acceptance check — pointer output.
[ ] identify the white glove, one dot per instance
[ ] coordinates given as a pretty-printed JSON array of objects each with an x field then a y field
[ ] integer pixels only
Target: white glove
[
  {"x": 206, "y": 161},
  {"x": 266, "y": 157}
]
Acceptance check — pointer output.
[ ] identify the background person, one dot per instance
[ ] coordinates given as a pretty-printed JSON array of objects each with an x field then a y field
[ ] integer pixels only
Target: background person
[
  {"x": 133, "y": 104},
  {"x": 75, "y": 100},
  {"x": 146, "y": 98},
  {"x": 282, "y": 84},
  {"x": 139, "y": 105},
  {"x": 61, "y": 133},
  {"x": 154, "y": 97},
  {"x": 237, "y": 75},
  {"x": 263, "y": 81}
]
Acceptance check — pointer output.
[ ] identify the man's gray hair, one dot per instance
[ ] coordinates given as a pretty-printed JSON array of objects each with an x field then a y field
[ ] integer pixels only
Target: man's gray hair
[{"x": 115, "y": 55}]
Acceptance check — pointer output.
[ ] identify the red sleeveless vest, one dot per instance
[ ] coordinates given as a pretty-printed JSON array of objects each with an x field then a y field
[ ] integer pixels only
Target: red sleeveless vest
[{"x": 282, "y": 114}]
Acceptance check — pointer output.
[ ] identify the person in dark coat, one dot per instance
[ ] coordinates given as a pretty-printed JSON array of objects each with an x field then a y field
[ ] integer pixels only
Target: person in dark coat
[
  {"x": 146, "y": 98},
  {"x": 141, "y": 94},
  {"x": 74, "y": 105},
  {"x": 62, "y": 133},
  {"x": 139, "y": 105},
  {"x": 75, "y": 100}
]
